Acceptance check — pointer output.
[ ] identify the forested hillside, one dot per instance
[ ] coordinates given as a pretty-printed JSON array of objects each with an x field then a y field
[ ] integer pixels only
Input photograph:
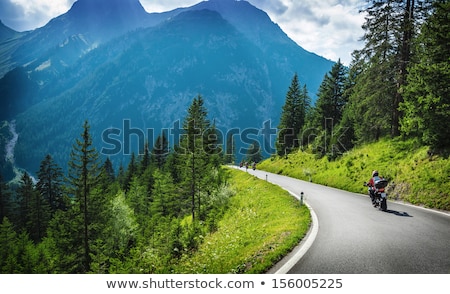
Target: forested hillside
[
  {"x": 396, "y": 86},
  {"x": 149, "y": 217},
  {"x": 388, "y": 110}
]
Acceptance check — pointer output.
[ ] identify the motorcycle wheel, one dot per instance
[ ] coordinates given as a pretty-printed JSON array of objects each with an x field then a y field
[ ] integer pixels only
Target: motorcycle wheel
[{"x": 383, "y": 204}]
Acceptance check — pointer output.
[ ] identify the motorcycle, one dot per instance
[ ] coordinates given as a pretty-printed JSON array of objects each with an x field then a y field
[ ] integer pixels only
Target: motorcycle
[{"x": 378, "y": 194}]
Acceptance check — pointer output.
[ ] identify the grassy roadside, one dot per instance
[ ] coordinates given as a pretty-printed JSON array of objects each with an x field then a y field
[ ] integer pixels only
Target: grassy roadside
[
  {"x": 262, "y": 224},
  {"x": 414, "y": 176}
]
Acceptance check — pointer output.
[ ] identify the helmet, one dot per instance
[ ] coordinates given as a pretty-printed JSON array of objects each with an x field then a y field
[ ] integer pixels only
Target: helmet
[{"x": 374, "y": 173}]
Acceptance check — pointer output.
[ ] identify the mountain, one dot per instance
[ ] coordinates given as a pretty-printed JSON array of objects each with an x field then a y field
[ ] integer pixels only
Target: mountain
[
  {"x": 134, "y": 73},
  {"x": 6, "y": 32}
]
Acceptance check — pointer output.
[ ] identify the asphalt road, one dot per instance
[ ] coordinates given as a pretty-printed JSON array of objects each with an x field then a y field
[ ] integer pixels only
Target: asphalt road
[{"x": 349, "y": 236}]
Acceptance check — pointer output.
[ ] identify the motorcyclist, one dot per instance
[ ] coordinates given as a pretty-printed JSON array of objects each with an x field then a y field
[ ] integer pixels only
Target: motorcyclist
[{"x": 371, "y": 185}]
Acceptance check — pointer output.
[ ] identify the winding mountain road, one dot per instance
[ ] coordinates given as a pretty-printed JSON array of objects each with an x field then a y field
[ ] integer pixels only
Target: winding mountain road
[{"x": 349, "y": 236}]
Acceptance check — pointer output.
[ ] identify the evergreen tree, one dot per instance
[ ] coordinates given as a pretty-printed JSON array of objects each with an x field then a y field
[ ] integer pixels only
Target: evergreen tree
[
  {"x": 194, "y": 150},
  {"x": 65, "y": 239},
  {"x": 331, "y": 99},
  {"x": 40, "y": 215},
  {"x": 121, "y": 176},
  {"x": 6, "y": 203},
  {"x": 132, "y": 171},
  {"x": 165, "y": 202},
  {"x": 328, "y": 110},
  {"x": 8, "y": 248},
  {"x": 160, "y": 150},
  {"x": 138, "y": 199},
  {"x": 292, "y": 118},
  {"x": 108, "y": 169},
  {"x": 25, "y": 196},
  {"x": 389, "y": 29},
  {"x": 230, "y": 153},
  {"x": 50, "y": 183},
  {"x": 427, "y": 95},
  {"x": 145, "y": 159},
  {"x": 84, "y": 172}
]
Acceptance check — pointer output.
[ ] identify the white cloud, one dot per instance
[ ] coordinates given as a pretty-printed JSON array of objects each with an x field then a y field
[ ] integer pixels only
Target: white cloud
[
  {"x": 330, "y": 28},
  {"x": 166, "y": 5},
  {"x": 31, "y": 14}
]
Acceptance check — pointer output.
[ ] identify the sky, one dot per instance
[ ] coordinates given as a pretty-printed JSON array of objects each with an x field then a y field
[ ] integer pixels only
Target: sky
[{"x": 329, "y": 28}]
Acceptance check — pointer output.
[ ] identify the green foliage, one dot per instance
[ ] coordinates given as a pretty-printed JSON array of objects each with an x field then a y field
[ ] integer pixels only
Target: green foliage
[
  {"x": 50, "y": 184},
  {"x": 293, "y": 117},
  {"x": 96, "y": 226},
  {"x": 427, "y": 95},
  {"x": 262, "y": 224},
  {"x": 414, "y": 176}
]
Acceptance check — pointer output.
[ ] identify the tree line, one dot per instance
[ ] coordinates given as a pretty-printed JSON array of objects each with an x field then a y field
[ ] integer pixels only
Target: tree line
[
  {"x": 396, "y": 86},
  {"x": 140, "y": 219}
]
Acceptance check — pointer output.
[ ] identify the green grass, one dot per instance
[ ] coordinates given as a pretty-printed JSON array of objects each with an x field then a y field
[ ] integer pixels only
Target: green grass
[
  {"x": 414, "y": 176},
  {"x": 263, "y": 224}
]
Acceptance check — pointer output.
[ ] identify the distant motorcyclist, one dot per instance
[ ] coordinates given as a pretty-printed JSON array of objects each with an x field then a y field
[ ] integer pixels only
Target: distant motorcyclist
[{"x": 371, "y": 184}]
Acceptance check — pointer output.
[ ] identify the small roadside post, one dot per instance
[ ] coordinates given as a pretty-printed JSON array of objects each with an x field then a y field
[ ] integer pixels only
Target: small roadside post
[{"x": 301, "y": 198}]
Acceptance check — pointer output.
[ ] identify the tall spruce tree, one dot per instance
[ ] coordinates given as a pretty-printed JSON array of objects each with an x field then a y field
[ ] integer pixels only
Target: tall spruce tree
[
  {"x": 6, "y": 203},
  {"x": 390, "y": 27},
  {"x": 50, "y": 183},
  {"x": 25, "y": 195},
  {"x": 145, "y": 159},
  {"x": 328, "y": 110},
  {"x": 84, "y": 170},
  {"x": 331, "y": 99},
  {"x": 194, "y": 150},
  {"x": 292, "y": 118},
  {"x": 160, "y": 150},
  {"x": 230, "y": 150},
  {"x": 427, "y": 94}
]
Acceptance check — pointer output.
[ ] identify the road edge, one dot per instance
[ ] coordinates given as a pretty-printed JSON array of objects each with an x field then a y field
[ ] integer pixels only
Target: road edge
[{"x": 287, "y": 262}]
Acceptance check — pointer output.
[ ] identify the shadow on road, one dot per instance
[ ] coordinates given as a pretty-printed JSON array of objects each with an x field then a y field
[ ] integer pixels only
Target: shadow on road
[{"x": 398, "y": 213}]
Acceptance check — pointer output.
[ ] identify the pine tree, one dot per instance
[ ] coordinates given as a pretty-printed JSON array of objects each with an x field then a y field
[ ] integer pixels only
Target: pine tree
[
  {"x": 194, "y": 150},
  {"x": 132, "y": 171},
  {"x": 145, "y": 159},
  {"x": 50, "y": 183},
  {"x": 328, "y": 110},
  {"x": 109, "y": 170},
  {"x": 160, "y": 150},
  {"x": 331, "y": 99},
  {"x": 292, "y": 118},
  {"x": 25, "y": 196},
  {"x": 389, "y": 29},
  {"x": 84, "y": 171},
  {"x": 164, "y": 197},
  {"x": 6, "y": 203},
  {"x": 230, "y": 153},
  {"x": 8, "y": 249},
  {"x": 427, "y": 95}
]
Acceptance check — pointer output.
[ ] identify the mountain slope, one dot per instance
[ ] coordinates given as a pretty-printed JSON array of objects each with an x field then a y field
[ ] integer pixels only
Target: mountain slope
[{"x": 144, "y": 79}]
